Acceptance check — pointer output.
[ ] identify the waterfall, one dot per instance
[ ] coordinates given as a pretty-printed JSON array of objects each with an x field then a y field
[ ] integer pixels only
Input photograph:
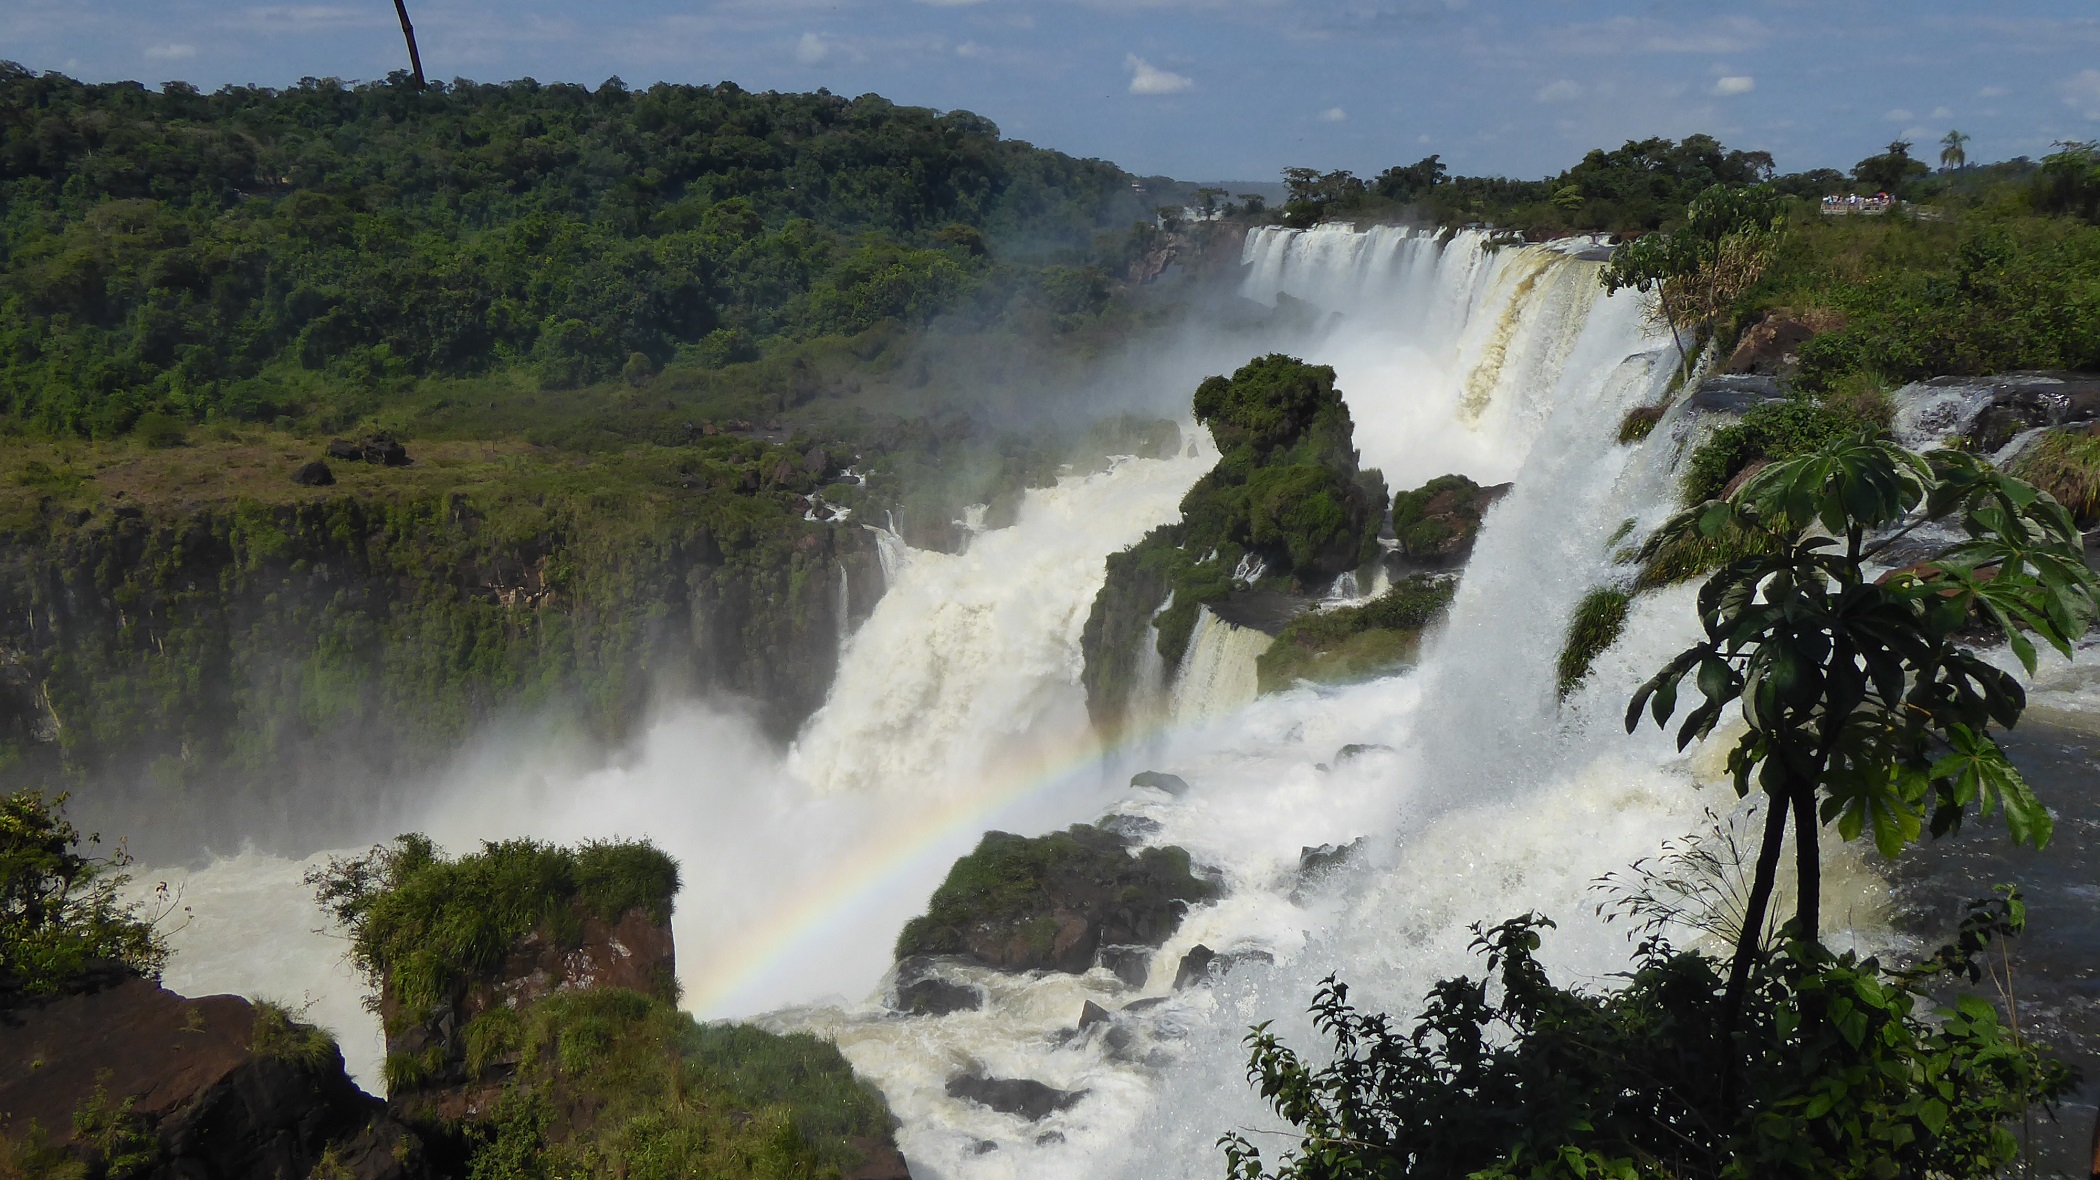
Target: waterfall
[
  {"x": 1216, "y": 677},
  {"x": 1477, "y": 795}
]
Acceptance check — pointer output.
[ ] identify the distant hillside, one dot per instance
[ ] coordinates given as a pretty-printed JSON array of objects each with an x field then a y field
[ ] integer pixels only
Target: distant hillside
[{"x": 254, "y": 253}]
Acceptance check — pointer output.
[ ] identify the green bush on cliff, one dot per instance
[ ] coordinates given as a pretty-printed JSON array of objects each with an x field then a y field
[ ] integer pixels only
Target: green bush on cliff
[
  {"x": 2065, "y": 464},
  {"x": 423, "y": 924},
  {"x": 61, "y": 913},
  {"x": 612, "y": 1082},
  {"x": 1775, "y": 430},
  {"x": 1356, "y": 642}
]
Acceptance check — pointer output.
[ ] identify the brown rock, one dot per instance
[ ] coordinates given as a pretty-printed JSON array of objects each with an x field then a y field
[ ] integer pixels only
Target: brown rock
[
  {"x": 211, "y": 1105},
  {"x": 1770, "y": 346}
]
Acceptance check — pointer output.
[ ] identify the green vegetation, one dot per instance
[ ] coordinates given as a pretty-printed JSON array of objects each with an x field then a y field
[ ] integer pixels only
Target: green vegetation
[
  {"x": 665, "y": 1097},
  {"x": 310, "y": 254},
  {"x": 424, "y": 926},
  {"x": 1862, "y": 710},
  {"x": 61, "y": 916},
  {"x": 1844, "y": 1071},
  {"x": 1005, "y": 902},
  {"x": 1439, "y": 519},
  {"x": 1640, "y": 185},
  {"x": 1599, "y": 619},
  {"x": 1356, "y": 642},
  {"x": 1775, "y": 430},
  {"x": 1699, "y": 269},
  {"x": 1287, "y": 490},
  {"x": 2065, "y": 464},
  {"x": 279, "y": 1035}
]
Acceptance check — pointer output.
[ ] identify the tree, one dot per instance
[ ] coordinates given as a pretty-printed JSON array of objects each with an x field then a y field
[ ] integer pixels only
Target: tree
[
  {"x": 1208, "y": 200},
  {"x": 1862, "y": 706},
  {"x": 1889, "y": 171},
  {"x": 408, "y": 34},
  {"x": 2069, "y": 181},
  {"x": 1696, "y": 271},
  {"x": 1254, "y": 203},
  {"x": 1953, "y": 150},
  {"x": 1410, "y": 182},
  {"x": 61, "y": 916}
]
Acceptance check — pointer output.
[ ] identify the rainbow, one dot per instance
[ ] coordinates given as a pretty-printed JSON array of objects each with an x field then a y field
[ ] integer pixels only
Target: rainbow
[{"x": 743, "y": 961}]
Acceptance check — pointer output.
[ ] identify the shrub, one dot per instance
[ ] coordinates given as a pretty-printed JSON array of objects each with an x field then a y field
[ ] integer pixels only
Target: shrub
[
  {"x": 1598, "y": 620},
  {"x": 1639, "y": 423},
  {"x": 424, "y": 924},
  {"x": 1775, "y": 430},
  {"x": 60, "y": 913},
  {"x": 278, "y": 1035},
  {"x": 1842, "y": 1074}
]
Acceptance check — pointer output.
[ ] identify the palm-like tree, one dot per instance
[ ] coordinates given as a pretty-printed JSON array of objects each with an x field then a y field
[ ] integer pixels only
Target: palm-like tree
[{"x": 1952, "y": 153}]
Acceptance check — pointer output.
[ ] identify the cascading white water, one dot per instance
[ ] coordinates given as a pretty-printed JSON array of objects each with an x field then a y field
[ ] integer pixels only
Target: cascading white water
[
  {"x": 1216, "y": 677},
  {"x": 1477, "y": 795}
]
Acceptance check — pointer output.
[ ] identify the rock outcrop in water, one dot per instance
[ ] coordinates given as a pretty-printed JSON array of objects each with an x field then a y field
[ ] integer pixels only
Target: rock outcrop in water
[
  {"x": 1437, "y": 523},
  {"x": 1053, "y": 903},
  {"x": 1286, "y": 507}
]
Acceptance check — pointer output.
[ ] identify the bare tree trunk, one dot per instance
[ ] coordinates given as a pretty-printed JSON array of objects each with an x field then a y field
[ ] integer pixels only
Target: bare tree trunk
[
  {"x": 1808, "y": 867},
  {"x": 1746, "y": 941},
  {"x": 408, "y": 33}
]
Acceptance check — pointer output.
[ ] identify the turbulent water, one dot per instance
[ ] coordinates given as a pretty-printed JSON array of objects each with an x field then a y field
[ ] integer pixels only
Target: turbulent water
[{"x": 1476, "y": 794}]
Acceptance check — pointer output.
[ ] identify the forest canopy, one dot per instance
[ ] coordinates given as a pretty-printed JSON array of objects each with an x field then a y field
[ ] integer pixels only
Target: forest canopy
[{"x": 203, "y": 256}]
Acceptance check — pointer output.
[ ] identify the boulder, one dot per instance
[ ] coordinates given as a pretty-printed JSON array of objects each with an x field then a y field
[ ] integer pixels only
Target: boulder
[
  {"x": 385, "y": 451},
  {"x": 1134, "y": 828},
  {"x": 1172, "y": 784},
  {"x": 1314, "y": 861},
  {"x": 1736, "y": 394},
  {"x": 1195, "y": 967},
  {"x": 348, "y": 452},
  {"x": 1771, "y": 346},
  {"x": 1091, "y": 1014},
  {"x": 1131, "y": 964},
  {"x": 206, "y": 1087},
  {"x": 2023, "y": 401},
  {"x": 882, "y": 1160},
  {"x": 313, "y": 475},
  {"x": 922, "y": 993},
  {"x": 1049, "y": 903},
  {"x": 1026, "y": 1097},
  {"x": 1358, "y": 750}
]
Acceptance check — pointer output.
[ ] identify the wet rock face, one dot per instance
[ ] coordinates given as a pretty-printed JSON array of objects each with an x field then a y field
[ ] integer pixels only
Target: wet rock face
[
  {"x": 920, "y": 992},
  {"x": 1050, "y": 903},
  {"x": 1735, "y": 394},
  {"x": 207, "y": 1097},
  {"x": 1026, "y": 1097},
  {"x": 2024, "y": 401}
]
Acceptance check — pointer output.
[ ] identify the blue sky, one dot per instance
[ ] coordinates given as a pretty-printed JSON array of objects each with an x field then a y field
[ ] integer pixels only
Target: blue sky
[{"x": 1215, "y": 89}]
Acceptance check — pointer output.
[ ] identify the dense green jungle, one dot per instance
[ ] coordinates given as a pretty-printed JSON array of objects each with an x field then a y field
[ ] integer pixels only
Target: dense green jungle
[{"x": 342, "y": 425}]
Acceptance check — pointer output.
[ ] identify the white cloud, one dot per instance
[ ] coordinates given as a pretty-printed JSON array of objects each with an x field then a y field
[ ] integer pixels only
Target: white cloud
[
  {"x": 972, "y": 50},
  {"x": 1333, "y": 115},
  {"x": 1561, "y": 91},
  {"x": 1146, "y": 78},
  {"x": 811, "y": 49},
  {"x": 1994, "y": 92},
  {"x": 1899, "y": 115},
  {"x": 2081, "y": 93},
  {"x": 171, "y": 52},
  {"x": 1735, "y": 84}
]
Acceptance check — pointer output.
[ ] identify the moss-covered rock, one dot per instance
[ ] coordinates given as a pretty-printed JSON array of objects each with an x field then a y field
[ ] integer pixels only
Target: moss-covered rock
[
  {"x": 1049, "y": 903},
  {"x": 2066, "y": 464},
  {"x": 1599, "y": 619},
  {"x": 1356, "y": 642},
  {"x": 1286, "y": 498},
  {"x": 1438, "y": 522}
]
